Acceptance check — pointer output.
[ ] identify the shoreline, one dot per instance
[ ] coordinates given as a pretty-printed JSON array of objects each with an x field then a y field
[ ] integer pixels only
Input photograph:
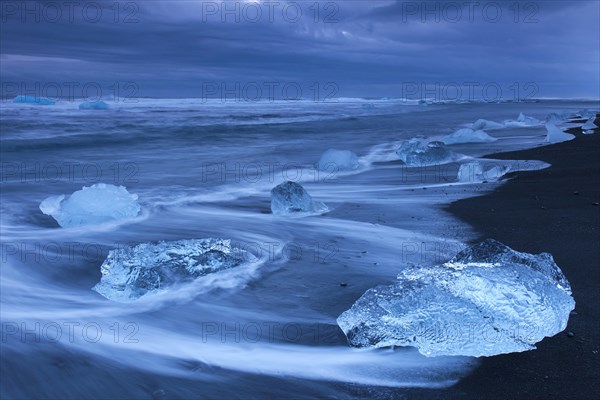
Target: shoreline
[{"x": 556, "y": 211}]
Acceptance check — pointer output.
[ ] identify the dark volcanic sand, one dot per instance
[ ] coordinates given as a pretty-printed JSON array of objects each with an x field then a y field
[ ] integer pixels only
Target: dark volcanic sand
[{"x": 547, "y": 211}]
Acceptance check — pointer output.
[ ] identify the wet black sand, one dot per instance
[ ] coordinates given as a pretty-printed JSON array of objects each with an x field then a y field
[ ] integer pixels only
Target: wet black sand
[{"x": 554, "y": 210}]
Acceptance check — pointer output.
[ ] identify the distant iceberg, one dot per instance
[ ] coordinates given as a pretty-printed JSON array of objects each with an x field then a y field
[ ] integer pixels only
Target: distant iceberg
[
  {"x": 467, "y": 135},
  {"x": 556, "y": 135},
  {"x": 41, "y": 101},
  {"x": 475, "y": 171},
  {"x": 522, "y": 121},
  {"x": 290, "y": 198},
  {"x": 481, "y": 124},
  {"x": 132, "y": 272},
  {"x": 91, "y": 205},
  {"x": 94, "y": 105},
  {"x": 487, "y": 300},
  {"x": 338, "y": 160},
  {"x": 419, "y": 152}
]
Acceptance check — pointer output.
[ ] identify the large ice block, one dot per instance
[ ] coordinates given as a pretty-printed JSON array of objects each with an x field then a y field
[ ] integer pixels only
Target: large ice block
[
  {"x": 487, "y": 300},
  {"x": 131, "y": 272},
  {"x": 92, "y": 205}
]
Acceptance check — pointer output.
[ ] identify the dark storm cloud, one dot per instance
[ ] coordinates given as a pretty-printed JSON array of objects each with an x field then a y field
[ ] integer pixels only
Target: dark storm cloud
[{"x": 365, "y": 47}]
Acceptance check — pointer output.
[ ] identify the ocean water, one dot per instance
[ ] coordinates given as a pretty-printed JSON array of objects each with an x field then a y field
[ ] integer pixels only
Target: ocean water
[{"x": 205, "y": 169}]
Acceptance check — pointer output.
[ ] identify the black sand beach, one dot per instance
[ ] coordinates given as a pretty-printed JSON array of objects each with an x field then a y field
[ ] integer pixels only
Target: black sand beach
[{"x": 554, "y": 210}]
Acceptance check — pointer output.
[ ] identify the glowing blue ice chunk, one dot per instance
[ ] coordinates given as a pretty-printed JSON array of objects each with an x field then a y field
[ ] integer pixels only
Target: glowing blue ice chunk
[
  {"x": 91, "y": 205},
  {"x": 487, "y": 300},
  {"x": 290, "y": 198},
  {"x": 131, "y": 272},
  {"x": 589, "y": 124},
  {"x": 467, "y": 135},
  {"x": 94, "y": 105},
  {"x": 419, "y": 152},
  {"x": 338, "y": 160},
  {"x": 475, "y": 171},
  {"x": 40, "y": 101}
]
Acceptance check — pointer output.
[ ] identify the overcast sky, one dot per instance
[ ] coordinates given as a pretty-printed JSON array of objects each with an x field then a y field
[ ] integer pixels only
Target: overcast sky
[{"x": 342, "y": 48}]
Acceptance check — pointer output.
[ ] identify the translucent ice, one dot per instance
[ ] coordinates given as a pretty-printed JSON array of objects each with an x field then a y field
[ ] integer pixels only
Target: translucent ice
[
  {"x": 586, "y": 113},
  {"x": 527, "y": 120},
  {"x": 556, "y": 135},
  {"x": 41, "y": 101},
  {"x": 557, "y": 118},
  {"x": 467, "y": 135},
  {"x": 93, "y": 105},
  {"x": 485, "y": 124},
  {"x": 475, "y": 171},
  {"x": 522, "y": 121},
  {"x": 91, "y": 205},
  {"x": 487, "y": 300},
  {"x": 131, "y": 272},
  {"x": 589, "y": 124},
  {"x": 419, "y": 152},
  {"x": 290, "y": 198},
  {"x": 338, "y": 160}
]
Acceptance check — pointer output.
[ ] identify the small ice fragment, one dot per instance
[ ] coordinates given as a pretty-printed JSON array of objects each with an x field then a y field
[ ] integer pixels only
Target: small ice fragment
[
  {"x": 522, "y": 121},
  {"x": 40, "y": 101},
  {"x": 527, "y": 120},
  {"x": 488, "y": 300},
  {"x": 131, "y": 272},
  {"x": 338, "y": 160},
  {"x": 589, "y": 124},
  {"x": 474, "y": 171},
  {"x": 556, "y": 135},
  {"x": 290, "y": 198},
  {"x": 93, "y": 105},
  {"x": 91, "y": 205},
  {"x": 481, "y": 124},
  {"x": 467, "y": 135}
]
